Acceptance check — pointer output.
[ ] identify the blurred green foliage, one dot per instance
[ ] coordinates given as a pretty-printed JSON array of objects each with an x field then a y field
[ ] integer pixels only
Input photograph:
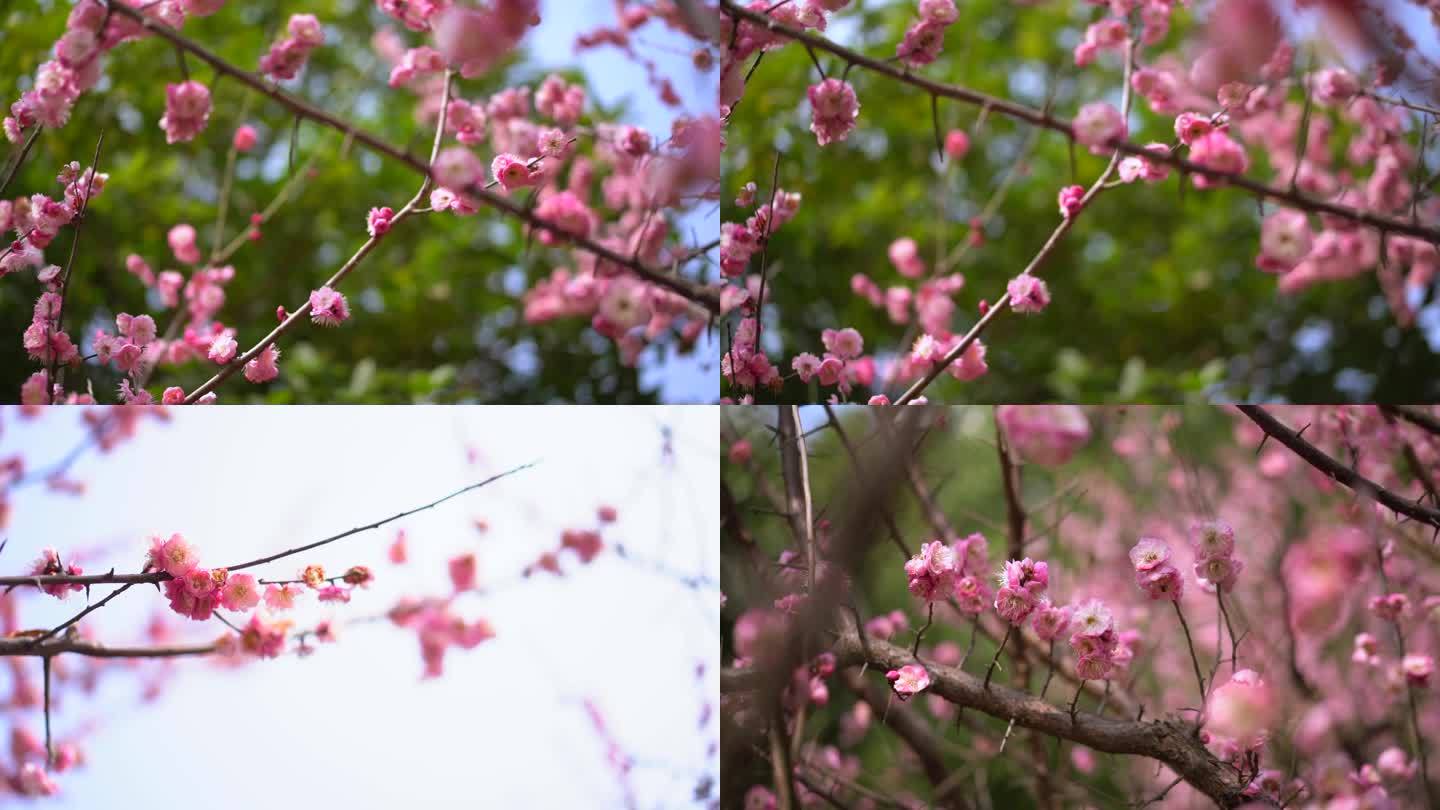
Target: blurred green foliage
[
  {"x": 1156, "y": 297},
  {"x": 438, "y": 301}
]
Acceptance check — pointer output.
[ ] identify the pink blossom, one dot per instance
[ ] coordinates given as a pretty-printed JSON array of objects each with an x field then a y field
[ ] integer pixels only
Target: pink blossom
[
  {"x": 1072, "y": 199},
  {"x": 333, "y": 593},
  {"x": 1242, "y": 710},
  {"x": 1094, "y": 666},
  {"x": 1014, "y": 604},
  {"x": 182, "y": 242},
  {"x": 1367, "y": 650},
  {"x": 560, "y": 100},
  {"x": 1334, "y": 86},
  {"x": 971, "y": 365},
  {"x": 187, "y": 111},
  {"x": 921, "y": 44},
  {"x": 847, "y": 344},
  {"x": 264, "y": 637},
  {"x": 1148, "y": 554},
  {"x": 245, "y": 138},
  {"x": 463, "y": 569},
  {"x": 223, "y": 348},
  {"x": 1217, "y": 151},
  {"x": 1285, "y": 240},
  {"x": 1097, "y": 124},
  {"x": 1418, "y": 669},
  {"x": 931, "y": 573},
  {"x": 34, "y": 781},
  {"x": 1391, "y": 607},
  {"x": 457, "y": 168},
  {"x": 905, "y": 255},
  {"x": 1027, "y": 574},
  {"x": 1190, "y": 126},
  {"x": 397, "y": 552},
  {"x": 174, "y": 556},
  {"x": 379, "y": 219},
  {"x": 740, "y": 452},
  {"x": 834, "y": 109},
  {"x": 1028, "y": 293},
  {"x": 264, "y": 367},
  {"x": 909, "y": 680},
  {"x": 1135, "y": 167},
  {"x": 1091, "y": 619},
  {"x": 937, "y": 11},
  {"x": 634, "y": 141},
  {"x": 1212, "y": 538},
  {"x": 957, "y": 144},
  {"x": 49, "y": 564},
  {"x": 511, "y": 172},
  {"x": 328, "y": 307},
  {"x": 280, "y": 597},
  {"x": 1161, "y": 582},
  {"x": 806, "y": 365},
  {"x": 1394, "y": 765},
  {"x": 1218, "y": 571},
  {"x": 240, "y": 592},
  {"x": 1050, "y": 621},
  {"x": 1048, "y": 435},
  {"x": 972, "y": 595}
]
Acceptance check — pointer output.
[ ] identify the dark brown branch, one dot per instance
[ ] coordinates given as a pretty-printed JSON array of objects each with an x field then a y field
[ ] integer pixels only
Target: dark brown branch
[
  {"x": 77, "y": 646},
  {"x": 1166, "y": 740},
  {"x": 703, "y": 295},
  {"x": 113, "y": 578},
  {"x": 1415, "y": 416},
  {"x": 377, "y": 524},
  {"x": 1326, "y": 464},
  {"x": 1040, "y": 118}
]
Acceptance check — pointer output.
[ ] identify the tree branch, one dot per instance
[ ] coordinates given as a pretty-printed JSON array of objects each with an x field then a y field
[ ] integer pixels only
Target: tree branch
[
  {"x": 113, "y": 578},
  {"x": 705, "y": 296},
  {"x": 1323, "y": 462},
  {"x": 1166, "y": 740},
  {"x": 1040, "y": 118}
]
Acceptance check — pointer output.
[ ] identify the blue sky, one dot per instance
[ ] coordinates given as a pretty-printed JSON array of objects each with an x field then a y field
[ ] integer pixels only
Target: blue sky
[{"x": 354, "y": 725}]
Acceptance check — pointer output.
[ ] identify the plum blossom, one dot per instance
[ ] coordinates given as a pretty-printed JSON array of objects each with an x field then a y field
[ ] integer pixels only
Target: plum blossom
[
  {"x": 187, "y": 111},
  {"x": 379, "y": 219},
  {"x": 931, "y": 573},
  {"x": 847, "y": 344},
  {"x": 1072, "y": 199},
  {"x": 328, "y": 307},
  {"x": 1217, "y": 151},
  {"x": 834, "y": 109},
  {"x": 240, "y": 592},
  {"x": 1242, "y": 710},
  {"x": 1028, "y": 293},
  {"x": 1097, "y": 124},
  {"x": 49, "y": 564},
  {"x": 909, "y": 680},
  {"x": 1048, "y": 435}
]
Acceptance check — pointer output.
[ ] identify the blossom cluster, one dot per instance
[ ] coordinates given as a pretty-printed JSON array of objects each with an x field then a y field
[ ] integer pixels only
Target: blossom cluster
[
  {"x": 288, "y": 55},
  {"x": 1346, "y": 144},
  {"x": 1216, "y": 567},
  {"x": 1099, "y": 647},
  {"x": 940, "y": 572}
]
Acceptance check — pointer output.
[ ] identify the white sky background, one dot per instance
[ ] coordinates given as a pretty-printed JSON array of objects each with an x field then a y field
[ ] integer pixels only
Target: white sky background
[
  {"x": 354, "y": 725},
  {"x": 615, "y": 78}
]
